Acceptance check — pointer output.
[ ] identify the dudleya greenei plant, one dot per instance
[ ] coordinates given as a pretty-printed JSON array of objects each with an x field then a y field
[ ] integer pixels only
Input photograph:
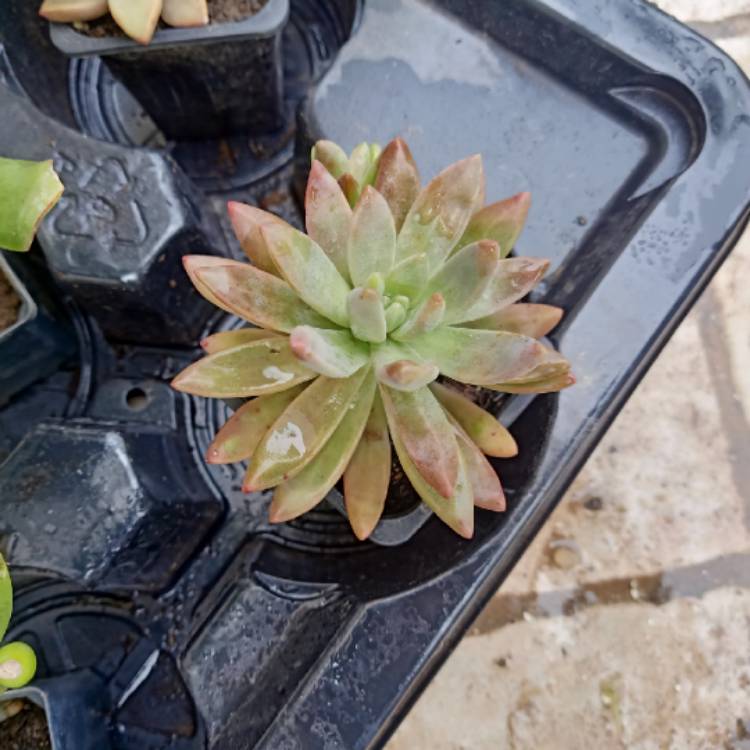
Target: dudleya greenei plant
[
  {"x": 392, "y": 287},
  {"x": 17, "y": 660}
]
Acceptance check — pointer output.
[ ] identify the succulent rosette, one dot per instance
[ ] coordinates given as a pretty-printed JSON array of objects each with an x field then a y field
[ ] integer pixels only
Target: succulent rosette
[{"x": 361, "y": 328}]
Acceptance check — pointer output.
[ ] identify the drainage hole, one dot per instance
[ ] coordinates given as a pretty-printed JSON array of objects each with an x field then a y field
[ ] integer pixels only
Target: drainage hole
[{"x": 137, "y": 399}]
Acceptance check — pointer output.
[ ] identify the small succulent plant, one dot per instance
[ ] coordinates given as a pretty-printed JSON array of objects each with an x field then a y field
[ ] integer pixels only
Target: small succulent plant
[
  {"x": 392, "y": 287},
  {"x": 28, "y": 191},
  {"x": 137, "y": 18},
  {"x": 17, "y": 660}
]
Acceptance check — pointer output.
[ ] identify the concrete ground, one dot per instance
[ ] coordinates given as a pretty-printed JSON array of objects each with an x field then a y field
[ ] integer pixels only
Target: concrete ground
[{"x": 627, "y": 623}]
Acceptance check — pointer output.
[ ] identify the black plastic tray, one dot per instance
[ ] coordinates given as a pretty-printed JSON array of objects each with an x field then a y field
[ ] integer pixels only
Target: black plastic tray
[{"x": 148, "y": 578}]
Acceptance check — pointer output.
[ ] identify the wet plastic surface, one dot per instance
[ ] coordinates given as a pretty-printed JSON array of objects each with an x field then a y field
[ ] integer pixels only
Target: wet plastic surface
[{"x": 633, "y": 134}]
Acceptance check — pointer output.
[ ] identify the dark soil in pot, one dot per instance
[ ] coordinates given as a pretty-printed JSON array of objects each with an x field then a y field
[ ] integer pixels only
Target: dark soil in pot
[
  {"x": 26, "y": 730},
  {"x": 220, "y": 11},
  {"x": 10, "y": 304}
]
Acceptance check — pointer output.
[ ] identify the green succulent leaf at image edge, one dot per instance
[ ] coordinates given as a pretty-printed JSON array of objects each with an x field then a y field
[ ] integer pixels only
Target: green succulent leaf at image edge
[
  {"x": 17, "y": 660},
  {"x": 28, "y": 191}
]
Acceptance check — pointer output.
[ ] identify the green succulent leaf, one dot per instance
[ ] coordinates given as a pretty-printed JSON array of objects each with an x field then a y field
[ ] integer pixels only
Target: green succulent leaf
[
  {"x": 335, "y": 354},
  {"x": 252, "y": 294},
  {"x": 28, "y": 191},
  {"x": 409, "y": 277},
  {"x": 501, "y": 222},
  {"x": 441, "y": 213},
  {"x": 487, "y": 357},
  {"x": 514, "y": 279},
  {"x": 217, "y": 342},
  {"x": 465, "y": 278},
  {"x": 368, "y": 473},
  {"x": 418, "y": 421},
  {"x": 328, "y": 216},
  {"x": 253, "y": 369},
  {"x": 331, "y": 156},
  {"x": 397, "y": 179},
  {"x": 457, "y": 511},
  {"x": 246, "y": 223},
  {"x": 481, "y": 426},
  {"x": 395, "y": 316},
  {"x": 301, "y": 430},
  {"x": 309, "y": 271},
  {"x": 304, "y": 491},
  {"x": 485, "y": 484},
  {"x": 372, "y": 242},
  {"x": 363, "y": 163},
  {"x": 422, "y": 319},
  {"x": 366, "y": 315},
  {"x": 6, "y": 598},
  {"x": 546, "y": 384},
  {"x": 524, "y": 317},
  {"x": 400, "y": 367},
  {"x": 17, "y": 665},
  {"x": 242, "y": 433}
]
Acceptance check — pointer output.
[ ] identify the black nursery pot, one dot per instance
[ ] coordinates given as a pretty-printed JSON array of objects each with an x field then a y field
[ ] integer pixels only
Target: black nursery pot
[
  {"x": 207, "y": 82},
  {"x": 36, "y": 344}
]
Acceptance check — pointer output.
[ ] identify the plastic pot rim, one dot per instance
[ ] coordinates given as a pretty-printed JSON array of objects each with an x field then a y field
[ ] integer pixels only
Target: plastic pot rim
[{"x": 267, "y": 22}]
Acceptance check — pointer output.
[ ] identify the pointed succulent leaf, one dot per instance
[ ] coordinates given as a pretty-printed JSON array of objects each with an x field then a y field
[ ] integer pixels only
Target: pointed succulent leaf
[
  {"x": 422, "y": 319},
  {"x": 482, "y": 427},
  {"x": 397, "y": 179},
  {"x": 372, "y": 241},
  {"x": 328, "y": 216},
  {"x": 243, "y": 431},
  {"x": 304, "y": 491},
  {"x": 368, "y": 474},
  {"x": 193, "y": 264},
  {"x": 335, "y": 354},
  {"x": 514, "y": 279},
  {"x": 363, "y": 164},
  {"x": 409, "y": 277},
  {"x": 256, "y": 296},
  {"x": 550, "y": 384},
  {"x": 301, "y": 430},
  {"x": 501, "y": 222},
  {"x": 377, "y": 282},
  {"x": 465, "y": 278},
  {"x": 217, "y": 342},
  {"x": 441, "y": 212},
  {"x": 28, "y": 191},
  {"x": 481, "y": 357},
  {"x": 331, "y": 156},
  {"x": 246, "y": 223},
  {"x": 366, "y": 315},
  {"x": 456, "y": 511},
  {"x": 137, "y": 18},
  {"x": 524, "y": 317},
  {"x": 185, "y": 13},
  {"x": 6, "y": 598},
  {"x": 17, "y": 665},
  {"x": 309, "y": 271},
  {"x": 420, "y": 424},
  {"x": 252, "y": 369},
  {"x": 485, "y": 484},
  {"x": 69, "y": 11},
  {"x": 399, "y": 367},
  {"x": 395, "y": 315}
]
